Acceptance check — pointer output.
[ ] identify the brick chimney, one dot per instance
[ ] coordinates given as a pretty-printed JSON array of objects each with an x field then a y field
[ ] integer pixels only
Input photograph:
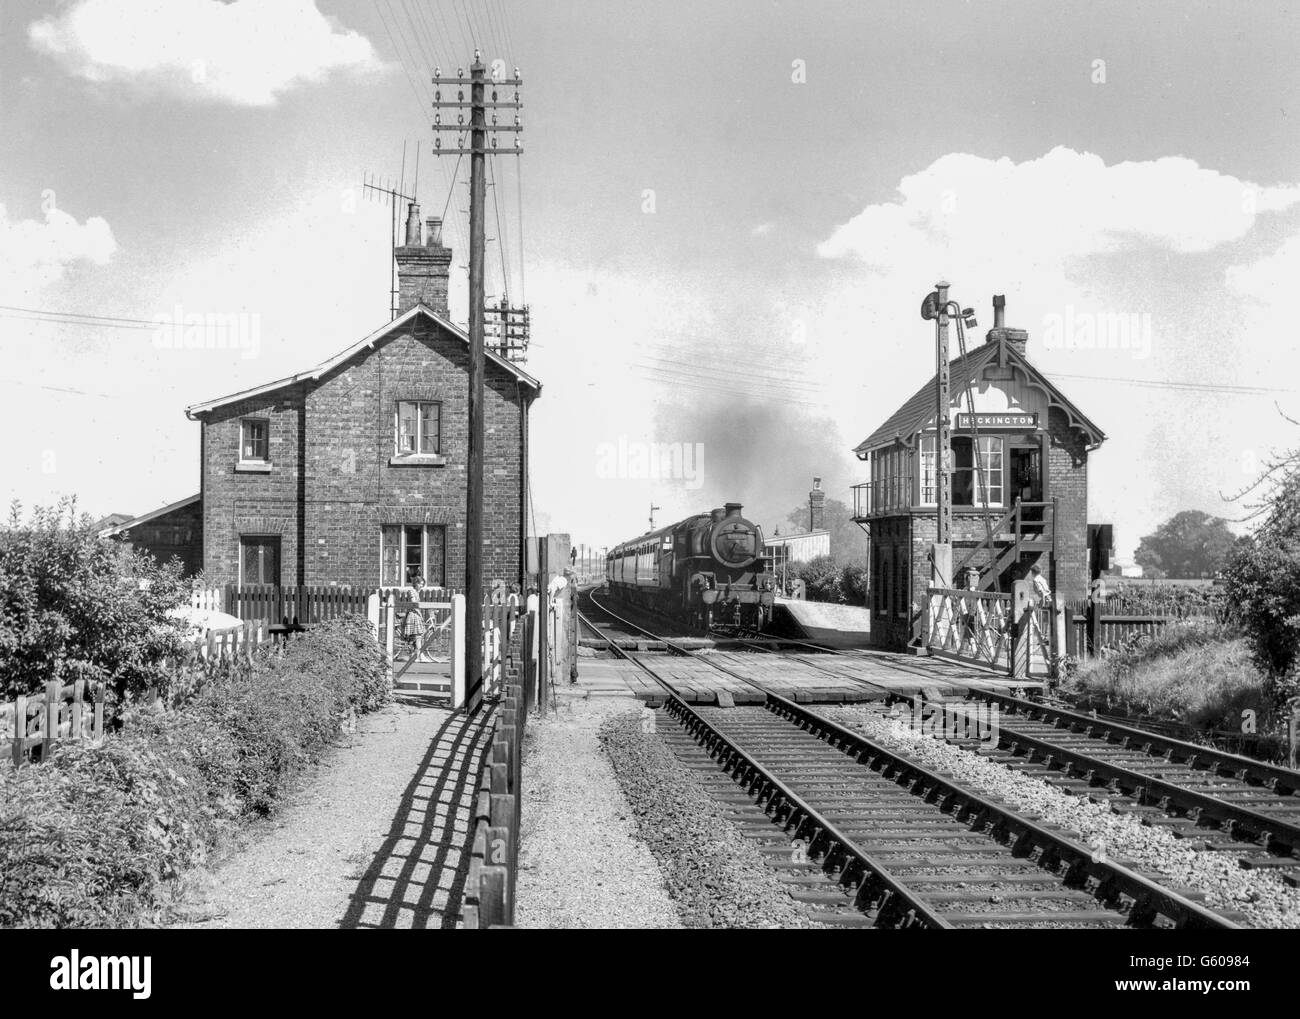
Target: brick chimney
[
  {"x": 816, "y": 506},
  {"x": 1015, "y": 338},
  {"x": 423, "y": 270}
]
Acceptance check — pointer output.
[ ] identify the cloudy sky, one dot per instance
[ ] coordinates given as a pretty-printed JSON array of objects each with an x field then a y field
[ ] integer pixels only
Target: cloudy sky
[{"x": 730, "y": 213}]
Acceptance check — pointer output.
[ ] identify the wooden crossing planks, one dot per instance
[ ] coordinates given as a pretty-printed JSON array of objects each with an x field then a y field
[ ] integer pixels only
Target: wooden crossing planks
[{"x": 807, "y": 679}]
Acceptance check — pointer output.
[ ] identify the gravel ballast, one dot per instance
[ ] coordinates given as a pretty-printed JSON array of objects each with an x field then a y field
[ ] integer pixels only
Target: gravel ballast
[
  {"x": 581, "y": 863},
  {"x": 1260, "y": 894},
  {"x": 716, "y": 876}
]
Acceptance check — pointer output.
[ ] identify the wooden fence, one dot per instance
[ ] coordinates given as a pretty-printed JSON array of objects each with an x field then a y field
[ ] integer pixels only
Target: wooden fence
[
  {"x": 494, "y": 859},
  {"x": 35, "y": 726},
  {"x": 274, "y": 604}
]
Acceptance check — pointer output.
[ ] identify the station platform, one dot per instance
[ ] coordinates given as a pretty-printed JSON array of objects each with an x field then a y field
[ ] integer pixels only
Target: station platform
[
  {"x": 837, "y": 626},
  {"x": 806, "y": 679}
]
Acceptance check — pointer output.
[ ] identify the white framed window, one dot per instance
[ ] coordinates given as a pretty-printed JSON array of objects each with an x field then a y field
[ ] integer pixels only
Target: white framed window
[
  {"x": 417, "y": 428},
  {"x": 929, "y": 470},
  {"x": 972, "y": 487},
  {"x": 255, "y": 440},
  {"x": 411, "y": 552}
]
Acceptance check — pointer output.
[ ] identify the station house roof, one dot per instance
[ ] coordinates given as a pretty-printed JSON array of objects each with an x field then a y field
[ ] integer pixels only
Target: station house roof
[{"x": 918, "y": 410}]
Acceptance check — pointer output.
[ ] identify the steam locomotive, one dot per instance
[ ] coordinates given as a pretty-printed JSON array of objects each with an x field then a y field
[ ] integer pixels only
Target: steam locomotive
[{"x": 705, "y": 570}]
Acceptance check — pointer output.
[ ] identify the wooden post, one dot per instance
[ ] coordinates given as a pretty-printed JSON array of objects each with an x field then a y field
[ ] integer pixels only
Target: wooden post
[
  {"x": 51, "y": 718},
  {"x": 543, "y": 617},
  {"x": 20, "y": 729},
  {"x": 372, "y": 613},
  {"x": 459, "y": 638},
  {"x": 388, "y": 630},
  {"x": 75, "y": 721},
  {"x": 1058, "y": 631}
]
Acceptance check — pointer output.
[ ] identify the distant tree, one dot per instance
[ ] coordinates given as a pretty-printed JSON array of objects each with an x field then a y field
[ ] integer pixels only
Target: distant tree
[
  {"x": 1190, "y": 544},
  {"x": 848, "y": 540}
]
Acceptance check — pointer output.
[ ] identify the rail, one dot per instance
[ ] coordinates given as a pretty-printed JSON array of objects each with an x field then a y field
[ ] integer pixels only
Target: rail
[{"x": 1147, "y": 901}]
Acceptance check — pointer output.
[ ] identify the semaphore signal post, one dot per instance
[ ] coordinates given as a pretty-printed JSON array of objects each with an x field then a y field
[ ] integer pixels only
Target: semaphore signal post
[{"x": 479, "y": 129}]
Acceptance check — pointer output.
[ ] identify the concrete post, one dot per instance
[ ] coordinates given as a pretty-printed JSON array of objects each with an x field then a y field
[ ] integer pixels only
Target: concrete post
[{"x": 1022, "y": 601}]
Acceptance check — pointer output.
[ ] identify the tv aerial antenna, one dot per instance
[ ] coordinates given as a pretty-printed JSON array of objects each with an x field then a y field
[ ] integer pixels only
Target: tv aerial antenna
[{"x": 392, "y": 192}]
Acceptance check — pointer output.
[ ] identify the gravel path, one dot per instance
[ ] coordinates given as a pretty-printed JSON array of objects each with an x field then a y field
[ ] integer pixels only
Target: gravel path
[
  {"x": 358, "y": 846},
  {"x": 582, "y": 864},
  {"x": 1265, "y": 899}
]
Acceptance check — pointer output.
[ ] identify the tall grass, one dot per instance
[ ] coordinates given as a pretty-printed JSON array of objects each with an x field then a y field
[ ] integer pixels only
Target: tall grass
[{"x": 1197, "y": 672}]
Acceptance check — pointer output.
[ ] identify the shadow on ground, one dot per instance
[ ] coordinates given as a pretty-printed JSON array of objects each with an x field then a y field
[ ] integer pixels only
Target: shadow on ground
[{"x": 417, "y": 878}]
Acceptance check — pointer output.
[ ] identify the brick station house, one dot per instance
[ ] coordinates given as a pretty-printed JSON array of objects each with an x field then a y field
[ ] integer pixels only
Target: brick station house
[
  {"x": 1019, "y": 498},
  {"x": 354, "y": 471}
]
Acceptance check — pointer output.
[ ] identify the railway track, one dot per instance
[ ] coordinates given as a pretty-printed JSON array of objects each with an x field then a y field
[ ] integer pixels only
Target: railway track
[
  {"x": 865, "y": 836},
  {"x": 1231, "y": 803}
]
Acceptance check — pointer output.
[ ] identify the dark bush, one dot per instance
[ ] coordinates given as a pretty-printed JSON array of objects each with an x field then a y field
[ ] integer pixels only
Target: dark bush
[
  {"x": 821, "y": 578},
  {"x": 1263, "y": 582},
  {"x": 95, "y": 837},
  {"x": 76, "y": 606},
  {"x": 853, "y": 584}
]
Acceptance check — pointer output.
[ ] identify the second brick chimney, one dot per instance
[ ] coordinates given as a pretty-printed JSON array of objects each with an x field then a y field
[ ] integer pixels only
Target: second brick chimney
[
  {"x": 1015, "y": 338},
  {"x": 816, "y": 506},
  {"x": 423, "y": 269}
]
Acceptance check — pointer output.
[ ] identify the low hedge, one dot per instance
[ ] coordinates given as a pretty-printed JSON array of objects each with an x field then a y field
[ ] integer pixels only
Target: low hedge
[{"x": 97, "y": 837}]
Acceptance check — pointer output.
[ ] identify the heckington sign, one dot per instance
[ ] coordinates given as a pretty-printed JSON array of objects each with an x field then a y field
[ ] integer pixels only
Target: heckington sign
[{"x": 1008, "y": 420}]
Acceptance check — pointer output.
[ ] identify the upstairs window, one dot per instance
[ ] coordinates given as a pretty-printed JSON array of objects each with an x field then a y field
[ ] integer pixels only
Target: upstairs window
[
  {"x": 254, "y": 439},
  {"x": 972, "y": 486},
  {"x": 929, "y": 471},
  {"x": 418, "y": 428}
]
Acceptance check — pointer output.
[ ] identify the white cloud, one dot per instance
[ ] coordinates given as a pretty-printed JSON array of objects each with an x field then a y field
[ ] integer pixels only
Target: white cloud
[
  {"x": 245, "y": 53},
  {"x": 1065, "y": 205},
  {"x": 761, "y": 229},
  {"x": 36, "y": 253}
]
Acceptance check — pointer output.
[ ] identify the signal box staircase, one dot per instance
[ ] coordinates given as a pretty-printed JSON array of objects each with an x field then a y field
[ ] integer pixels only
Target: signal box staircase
[{"x": 1019, "y": 538}]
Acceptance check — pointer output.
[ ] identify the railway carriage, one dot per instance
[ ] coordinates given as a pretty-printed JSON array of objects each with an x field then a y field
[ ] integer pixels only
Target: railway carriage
[{"x": 705, "y": 570}]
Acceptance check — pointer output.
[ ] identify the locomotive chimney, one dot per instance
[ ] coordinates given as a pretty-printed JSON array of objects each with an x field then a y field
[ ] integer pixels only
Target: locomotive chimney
[
  {"x": 816, "y": 506},
  {"x": 733, "y": 509}
]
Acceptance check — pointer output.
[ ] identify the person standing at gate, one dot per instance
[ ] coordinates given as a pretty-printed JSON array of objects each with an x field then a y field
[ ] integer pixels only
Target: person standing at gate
[
  {"x": 413, "y": 624},
  {"x": 1041, "y": 589}
]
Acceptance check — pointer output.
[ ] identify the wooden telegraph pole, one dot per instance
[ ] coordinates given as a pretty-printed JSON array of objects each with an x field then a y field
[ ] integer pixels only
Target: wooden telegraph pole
[{"x": 479, "y": 129}]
